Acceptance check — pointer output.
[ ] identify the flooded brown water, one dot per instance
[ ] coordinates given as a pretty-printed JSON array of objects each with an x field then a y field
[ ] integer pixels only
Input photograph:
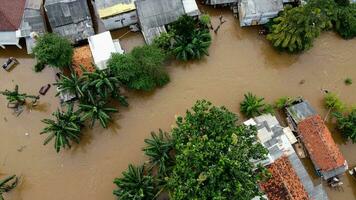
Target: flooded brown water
[{"x": 240, "y": 61}]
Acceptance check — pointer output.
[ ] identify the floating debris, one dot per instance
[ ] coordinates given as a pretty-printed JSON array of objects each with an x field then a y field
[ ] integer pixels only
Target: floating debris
[
  {"x": 44, "y": 89},
  {"x": 10, "y": 63}
]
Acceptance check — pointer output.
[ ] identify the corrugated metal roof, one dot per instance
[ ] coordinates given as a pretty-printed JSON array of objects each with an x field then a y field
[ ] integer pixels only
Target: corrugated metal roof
[
  {"x": 70, "y": 18},
  {"x": 300, "y": 111},
  {"x": 155, "y": 13}
]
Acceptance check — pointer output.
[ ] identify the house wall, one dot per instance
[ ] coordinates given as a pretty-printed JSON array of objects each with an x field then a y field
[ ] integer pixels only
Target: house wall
[
  {"x": 9, "y": 38},
  {"x": 256, "y": 19},
  {"x": 120, "y": 21}
]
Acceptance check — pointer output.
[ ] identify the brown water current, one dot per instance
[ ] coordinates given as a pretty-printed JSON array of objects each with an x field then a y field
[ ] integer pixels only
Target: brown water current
[{"x": 240, "y": 61}]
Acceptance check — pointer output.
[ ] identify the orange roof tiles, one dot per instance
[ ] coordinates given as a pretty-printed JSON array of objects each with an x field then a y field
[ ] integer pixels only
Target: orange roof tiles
[
  {"x": 284, "y": 183},
  {"x": 82, "y": 57},
  {"x": 319, "y": 143}
]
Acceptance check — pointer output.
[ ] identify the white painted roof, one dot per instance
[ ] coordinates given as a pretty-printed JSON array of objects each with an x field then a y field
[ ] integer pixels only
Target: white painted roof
[
  {"x": 288, "y": 132},
  {"x": 190, "y": 7},
  {"x": 102, "y": 46}
]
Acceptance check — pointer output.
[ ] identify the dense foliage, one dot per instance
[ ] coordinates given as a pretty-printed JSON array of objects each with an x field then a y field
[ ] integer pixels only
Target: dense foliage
[
  {"x": 346, "y": 21},
  {"x": 53, "y": 50},
  {"x": 96, "y": 110},
  {"x": 295, "y": 29},
  {"x": 8, "y": 184},
  {"x": 332, "y": 102},
  {"x": 347, "y": 124},
  {"x": 253, "y": 106},
  {"x": 141, "y": 69},
  {"x": 65, "y": 129},
  {"x": 210, "y": 157},
  {"x": 135, "y": 185}
]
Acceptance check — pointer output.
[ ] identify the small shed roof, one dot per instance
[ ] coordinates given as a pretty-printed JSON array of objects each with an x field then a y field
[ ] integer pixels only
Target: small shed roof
[
  {"x": 300, "y": 111},
  {"x": 11, "y": 12},
  {"x": 284, "y": 183},
  {"x": 257, "y": 7},
  {"x": 108, "y": 8},
  {"x": 320, "y": 145},
  {"x": 156, "y": 13},
  {"x": 102, "y": 46}
]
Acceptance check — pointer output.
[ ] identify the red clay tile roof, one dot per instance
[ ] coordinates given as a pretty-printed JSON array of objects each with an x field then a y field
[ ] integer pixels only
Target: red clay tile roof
[
  {"x": 319, "y": 143},
  {"x": 11, "y": 12},
  {"x": 284, "y": 183}
]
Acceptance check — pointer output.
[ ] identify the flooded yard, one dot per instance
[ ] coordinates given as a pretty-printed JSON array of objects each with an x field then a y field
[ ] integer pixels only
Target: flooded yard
[{"x": 240, "y": 61}]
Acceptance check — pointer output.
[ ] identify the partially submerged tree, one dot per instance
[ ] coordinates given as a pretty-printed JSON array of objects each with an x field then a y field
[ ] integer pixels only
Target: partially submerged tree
[
  {"x": 141, "y": 69},
  {"x": 191, "y": 38},
  {"x": 97, "y": 110},
  {"x": 211, "y": 159},
  {"x": 8, "y": 184},
  {"x": 65, "y": 129},
  {"x": 72, "y": 84},
  {"x": 347, "y": 124},
  {"x": 135, "y": 184},
  {"x": 53, "y": 50},
  {"x": 16, "y": 98},
  {"x": 333, "y": 103},
  {"x": 159, "y": 149},
  {"x": 213, "y": 156},
  {"x": 284, "y": 102},
  {"x": 253, "y": 106}
]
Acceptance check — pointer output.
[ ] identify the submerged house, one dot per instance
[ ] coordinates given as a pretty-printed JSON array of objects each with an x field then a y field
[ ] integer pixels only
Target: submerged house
[
  {"x": 154, "y": 15},
  {"x": 116, "y": 13},
  {"x": 256, "y": 12},
  {"x": 33, "y": 23},
  {"x": 325, "y": 155},
  {"x": 70, "y": 19},
  {"x": 289, "y": 177},
  {"x": 11, "y": 12}
]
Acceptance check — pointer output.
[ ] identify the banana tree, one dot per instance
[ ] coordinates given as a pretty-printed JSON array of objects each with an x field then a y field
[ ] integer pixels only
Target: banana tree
[
  {"x": 135, "y": 185},
  {"x": 96, "y": 110},
  {"x": 70, "y": 84},
  {"x": 100, "y": 83},
  {"x": 65, "y": 129},
  {"x": 15, "y": 98},
  {"x": 159, "y": 148},
  {"x": 252, "y": 105},
  {"x": 8, "y": 184}
]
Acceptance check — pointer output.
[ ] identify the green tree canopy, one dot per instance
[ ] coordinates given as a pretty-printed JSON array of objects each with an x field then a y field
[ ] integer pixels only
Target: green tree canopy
[
  {"x": 53, "y": 50},
  {"x": 212, "y": 156},
  {"x": 141, "y": 69}
]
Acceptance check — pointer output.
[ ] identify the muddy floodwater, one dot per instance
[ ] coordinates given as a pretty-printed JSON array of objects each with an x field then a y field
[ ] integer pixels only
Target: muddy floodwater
[{"x": 240, "y": 61}]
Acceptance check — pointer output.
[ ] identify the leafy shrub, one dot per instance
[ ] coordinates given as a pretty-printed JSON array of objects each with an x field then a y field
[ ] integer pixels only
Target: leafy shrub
[
  {"x": 141, "y": 69},
  {"x": 164, "y": 42},
  {"x": 333, "y": 102},
  {"x": 347, "y": 124},
  {"x": 205, "y": 20},
  {"x": 53, "y": 50},
  {"x": 39, "y": 67},
  {"x": 284, "y": 102},
  {"x": 348, "y": 81}
]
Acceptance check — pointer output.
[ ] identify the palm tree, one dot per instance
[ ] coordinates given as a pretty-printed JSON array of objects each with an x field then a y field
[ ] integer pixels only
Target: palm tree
[
  {"x": 66, "y": 128},
  {"x": 158, "y": 149},
  {"x": 16, "y": 98},
  {"x": 70, "y": 84},
  {"x": 135, "y": 185},
  {"x": 7, "y": 185},
  {"x": 96, "y": 111},
  {"x": 252, "y": 106}
]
